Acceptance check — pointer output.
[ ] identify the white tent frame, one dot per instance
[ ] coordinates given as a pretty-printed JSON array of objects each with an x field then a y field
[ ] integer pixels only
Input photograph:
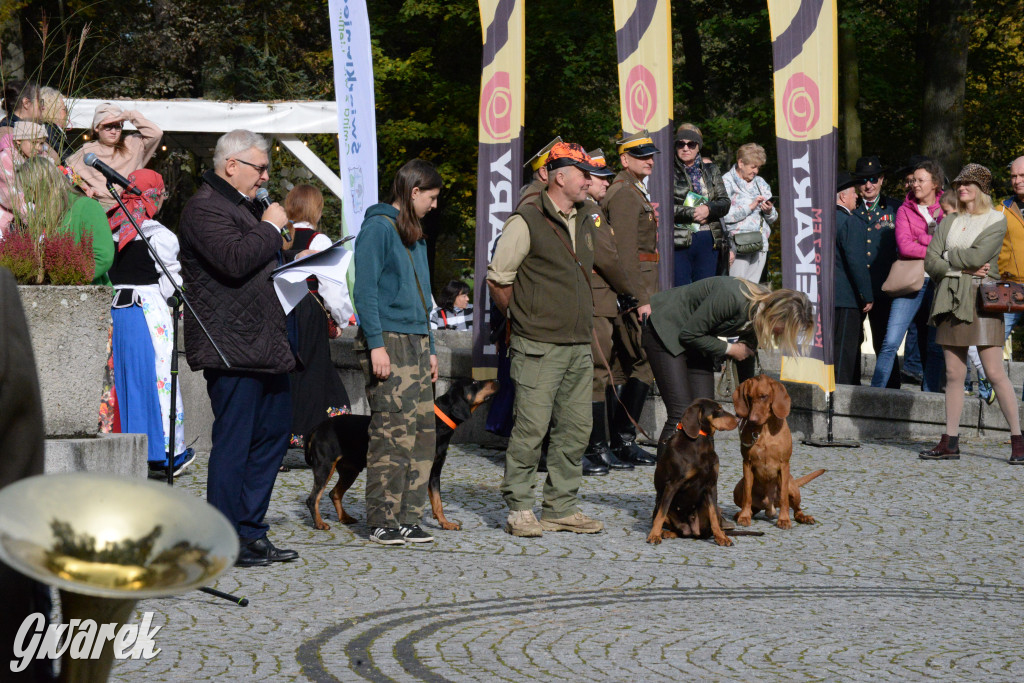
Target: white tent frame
[{"x": 284, "y": 121}]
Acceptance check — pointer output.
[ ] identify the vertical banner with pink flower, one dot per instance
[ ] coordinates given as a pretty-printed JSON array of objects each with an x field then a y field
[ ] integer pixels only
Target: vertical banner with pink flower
[
  {"x": 643, "y": 40},
  {"x": 500, "y": 158},
  {"x": 804, "y": 47}
]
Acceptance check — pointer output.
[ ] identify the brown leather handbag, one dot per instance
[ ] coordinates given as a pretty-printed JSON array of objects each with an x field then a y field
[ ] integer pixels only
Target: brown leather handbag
[{"x": 1001, "y": 296}]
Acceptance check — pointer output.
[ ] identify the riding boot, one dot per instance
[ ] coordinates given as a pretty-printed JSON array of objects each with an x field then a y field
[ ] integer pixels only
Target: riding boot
[
  {"x": 598, "y": 452},
  {"x": 1017, "y": 449},
  {"x": 623, "y": 432},
  {"x": 948, "y": 448}
]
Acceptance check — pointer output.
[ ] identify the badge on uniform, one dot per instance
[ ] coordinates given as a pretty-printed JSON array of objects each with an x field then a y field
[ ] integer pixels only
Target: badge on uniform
[{"x": 597, "y": 219}]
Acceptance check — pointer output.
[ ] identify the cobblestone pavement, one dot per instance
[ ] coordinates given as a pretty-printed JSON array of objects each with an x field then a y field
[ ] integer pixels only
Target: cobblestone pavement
[{"x": 912, "y": 572}]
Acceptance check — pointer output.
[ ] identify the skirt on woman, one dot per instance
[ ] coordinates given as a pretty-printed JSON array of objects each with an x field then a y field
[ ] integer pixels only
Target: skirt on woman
[{"x": 985, "y": 330}]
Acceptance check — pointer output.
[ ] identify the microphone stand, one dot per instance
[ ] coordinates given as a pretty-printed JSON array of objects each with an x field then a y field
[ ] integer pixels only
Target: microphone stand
[{"x": 175, "y": 301}]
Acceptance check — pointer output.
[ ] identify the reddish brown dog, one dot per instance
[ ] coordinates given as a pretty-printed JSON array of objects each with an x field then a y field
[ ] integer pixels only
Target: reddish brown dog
[
  {"x": 766, "y": 445},
  {"x": 686, "y": 477}
]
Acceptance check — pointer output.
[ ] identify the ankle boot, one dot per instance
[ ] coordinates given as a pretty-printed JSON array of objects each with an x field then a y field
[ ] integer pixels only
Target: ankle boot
[
  {"x": 1017, "y": 450},
  {"x": 623, "y": 433},
  {"x": 598, "y": 451},
  {"x": 948, "y": 448}
]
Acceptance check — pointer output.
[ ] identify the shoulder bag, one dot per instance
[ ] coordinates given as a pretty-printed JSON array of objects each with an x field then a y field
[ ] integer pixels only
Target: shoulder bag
[
  {"x": 748, "y": 242},
  {"x": 906, "y": 277},
  {"x": 1002, "y": 296}
]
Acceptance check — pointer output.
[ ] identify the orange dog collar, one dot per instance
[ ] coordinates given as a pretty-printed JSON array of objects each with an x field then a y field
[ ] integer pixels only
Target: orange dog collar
[
  {"x": 679, "y": 427},
  {"x": 444, "y": 418}
]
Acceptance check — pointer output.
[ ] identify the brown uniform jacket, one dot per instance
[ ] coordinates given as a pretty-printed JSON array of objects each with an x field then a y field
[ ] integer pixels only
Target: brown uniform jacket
[
  {"x": 636, "y": 234},
  {"x": 608, "y": 279}
]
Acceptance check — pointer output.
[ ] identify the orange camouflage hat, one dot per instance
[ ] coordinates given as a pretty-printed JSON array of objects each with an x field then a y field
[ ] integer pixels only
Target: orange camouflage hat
[
  {"x": 598, "y": 160},
  {"x": 569, "y": 154}
]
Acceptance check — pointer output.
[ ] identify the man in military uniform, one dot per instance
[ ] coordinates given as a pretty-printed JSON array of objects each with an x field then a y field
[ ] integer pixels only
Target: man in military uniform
[
  {"x": 537, "y": 165},
  {"x": 880, "y": 214},
  {"x": 608, "y": 282},
  {"x": 628, "y": 206},
  {"x": 540, "y": 275},
  {"x": 853, "y": 295}
]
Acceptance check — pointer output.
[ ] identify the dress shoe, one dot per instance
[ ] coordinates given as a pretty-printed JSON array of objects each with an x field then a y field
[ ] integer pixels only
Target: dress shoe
[
  {"x": 250, "y": 558},
  {"x": 592, "y": 468},
  {"x": 263, "y": 547}
]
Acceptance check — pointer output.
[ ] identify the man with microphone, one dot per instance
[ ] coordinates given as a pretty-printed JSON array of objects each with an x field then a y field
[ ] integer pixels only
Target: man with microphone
[{"x": 229, "y": 246}]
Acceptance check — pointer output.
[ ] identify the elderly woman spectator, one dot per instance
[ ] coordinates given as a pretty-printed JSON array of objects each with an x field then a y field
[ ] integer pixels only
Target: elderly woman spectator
[
  {"x": 54, "y": 117},
  {"x": 17, "y": 147},
  {"x": 751, "y": 213},
  {"x": 963, "y": 251},
  {"x": 123, "y": 153},
  {"x": 700, "y": 200}
]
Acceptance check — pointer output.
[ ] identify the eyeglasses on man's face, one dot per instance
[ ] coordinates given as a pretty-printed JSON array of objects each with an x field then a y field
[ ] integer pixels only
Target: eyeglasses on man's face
[{"x": 261, "y": 169}]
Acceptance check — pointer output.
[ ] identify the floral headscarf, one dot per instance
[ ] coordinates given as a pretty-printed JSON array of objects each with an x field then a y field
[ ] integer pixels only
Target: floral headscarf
[{"x": 151, "y": 185}]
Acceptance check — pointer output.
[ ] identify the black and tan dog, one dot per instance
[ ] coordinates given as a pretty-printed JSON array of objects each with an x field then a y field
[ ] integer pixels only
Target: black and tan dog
[
  {"x": 340, "y": 443},
  {"x": 686, "y": 477}
]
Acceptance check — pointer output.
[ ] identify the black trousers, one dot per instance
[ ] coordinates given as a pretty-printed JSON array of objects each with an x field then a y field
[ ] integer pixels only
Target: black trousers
[
  {"x": 849, "y": 335},
  {"x": 681, "y": 379},
  {"x": 878, "y": 319}
]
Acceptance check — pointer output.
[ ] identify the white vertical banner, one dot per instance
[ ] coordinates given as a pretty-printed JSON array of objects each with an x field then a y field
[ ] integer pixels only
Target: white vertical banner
[{"x": 357, "y": 126}]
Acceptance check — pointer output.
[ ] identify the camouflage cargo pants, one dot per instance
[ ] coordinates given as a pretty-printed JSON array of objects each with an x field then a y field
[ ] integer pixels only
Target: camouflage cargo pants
[{"x": 401, "y": 431}]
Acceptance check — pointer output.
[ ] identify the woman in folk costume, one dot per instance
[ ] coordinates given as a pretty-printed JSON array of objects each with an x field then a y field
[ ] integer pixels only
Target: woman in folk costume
[{"x": 143, "y": 326}]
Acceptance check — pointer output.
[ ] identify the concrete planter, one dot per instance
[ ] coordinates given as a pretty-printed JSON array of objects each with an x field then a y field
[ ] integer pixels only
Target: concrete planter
[{"x": 69, "y": 327}]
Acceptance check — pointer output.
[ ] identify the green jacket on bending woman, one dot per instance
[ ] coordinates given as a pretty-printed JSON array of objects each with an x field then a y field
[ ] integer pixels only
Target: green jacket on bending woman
[{"x": 693, "y": 317}]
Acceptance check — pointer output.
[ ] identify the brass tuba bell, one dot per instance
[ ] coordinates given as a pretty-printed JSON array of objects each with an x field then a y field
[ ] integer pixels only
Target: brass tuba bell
[{"x": 108, "y": 542}]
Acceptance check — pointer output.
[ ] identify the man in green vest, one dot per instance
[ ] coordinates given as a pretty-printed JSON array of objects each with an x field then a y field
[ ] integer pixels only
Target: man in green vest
[
  {"x": 628, "y": 206},
  {"x": 540, "y": 276}
]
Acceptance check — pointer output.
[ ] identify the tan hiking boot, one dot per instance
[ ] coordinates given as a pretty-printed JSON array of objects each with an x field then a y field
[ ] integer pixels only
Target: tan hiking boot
[
  {"x": 523, "y": 523},
  {"x": 577, "y": 523}
]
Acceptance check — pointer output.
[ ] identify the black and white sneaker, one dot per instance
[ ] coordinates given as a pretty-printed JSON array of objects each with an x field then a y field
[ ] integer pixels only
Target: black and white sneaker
[
  {"x": 414, "y": 534},
  {"x": 386, "y": 536},
  {"x": 184, "y": 460}
]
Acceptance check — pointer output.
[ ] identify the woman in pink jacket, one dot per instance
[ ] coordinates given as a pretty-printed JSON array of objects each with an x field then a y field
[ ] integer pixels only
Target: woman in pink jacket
[{"x": 916, "y": 221}]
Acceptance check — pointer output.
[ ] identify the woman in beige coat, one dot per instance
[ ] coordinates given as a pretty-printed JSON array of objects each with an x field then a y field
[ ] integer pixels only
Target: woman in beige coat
[{"x": 962, "y": 254}]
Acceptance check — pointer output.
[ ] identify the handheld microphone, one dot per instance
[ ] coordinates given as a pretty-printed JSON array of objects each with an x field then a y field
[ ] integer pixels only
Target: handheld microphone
[
  {"x": 263, "y": 198},
  {"x": 110, "y": 174}
]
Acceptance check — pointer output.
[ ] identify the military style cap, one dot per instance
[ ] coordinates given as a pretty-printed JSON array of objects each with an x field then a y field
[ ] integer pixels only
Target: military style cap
[
  {"x": 598, "y": 161},
  {"x": 538, "y": 160},
  {"x": 638, "y": 145},
  {"x": 569, "y": 154}
]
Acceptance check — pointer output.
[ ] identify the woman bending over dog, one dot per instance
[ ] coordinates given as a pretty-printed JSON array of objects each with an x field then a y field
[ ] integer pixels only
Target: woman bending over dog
[
  {"x": 396, "y": 350},
  {"x": 682, "y": 335}
]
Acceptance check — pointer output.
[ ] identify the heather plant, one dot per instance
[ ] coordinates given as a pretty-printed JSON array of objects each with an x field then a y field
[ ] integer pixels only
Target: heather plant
[
  {"x": 68, "y": 261},
  {"x": 19, "y": 255}
]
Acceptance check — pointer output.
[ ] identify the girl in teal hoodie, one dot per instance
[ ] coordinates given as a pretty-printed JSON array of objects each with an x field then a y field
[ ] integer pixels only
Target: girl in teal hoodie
[{"x": 396, "y": 349}]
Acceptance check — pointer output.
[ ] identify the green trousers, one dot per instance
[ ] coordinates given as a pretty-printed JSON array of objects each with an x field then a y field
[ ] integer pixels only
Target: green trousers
[{"x": 553, "y": 384}]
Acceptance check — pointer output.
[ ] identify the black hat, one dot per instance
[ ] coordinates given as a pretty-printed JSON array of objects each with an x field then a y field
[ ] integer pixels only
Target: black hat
[
  {"x": 868, "y": 167},
  {"x": 639, "y": 145},
  {"x": 844, "y": 180},
  {"x": 912, "y": 164}
]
